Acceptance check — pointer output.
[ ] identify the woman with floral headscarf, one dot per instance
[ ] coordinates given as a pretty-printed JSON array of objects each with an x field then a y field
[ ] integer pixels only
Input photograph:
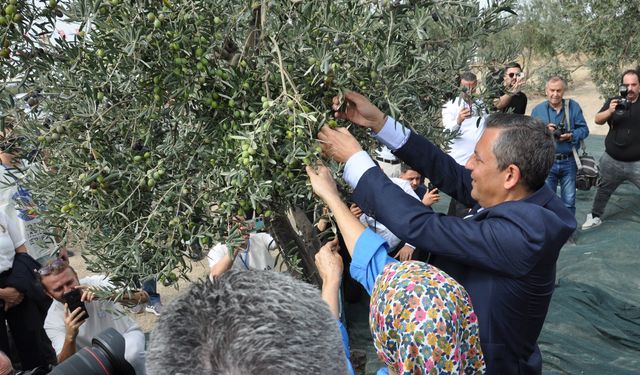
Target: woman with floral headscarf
[{"x": 422, "y": 320}]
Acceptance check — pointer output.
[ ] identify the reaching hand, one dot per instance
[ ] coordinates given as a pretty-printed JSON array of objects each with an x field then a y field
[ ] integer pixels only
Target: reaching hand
[
  {"x": 323, "y": 184},
  {"x": 329, "y": 263},
  {"x": 338, "y": 144},
  {"x": 359, "y": 110},
  {"x": 405, "y": 253}
]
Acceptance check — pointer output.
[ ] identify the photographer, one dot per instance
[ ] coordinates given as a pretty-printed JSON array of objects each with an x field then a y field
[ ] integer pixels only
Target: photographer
[
  {"x": 510, "y": 97},
  {"x": 72, "y": 328},
  {"x": 464, "y": 116},
  {"x": 566, "y": 122},
  {"x": 621, "y": 160}
]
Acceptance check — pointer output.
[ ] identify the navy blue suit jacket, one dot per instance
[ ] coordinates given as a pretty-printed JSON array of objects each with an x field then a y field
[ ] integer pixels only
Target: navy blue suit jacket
[{"x": 504, "y": 256}]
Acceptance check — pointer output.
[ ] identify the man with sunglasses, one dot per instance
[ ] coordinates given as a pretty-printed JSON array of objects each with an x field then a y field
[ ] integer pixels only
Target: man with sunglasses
[
  {"x": 70, "y": 331},
  {"x": 511, "y": 99}
]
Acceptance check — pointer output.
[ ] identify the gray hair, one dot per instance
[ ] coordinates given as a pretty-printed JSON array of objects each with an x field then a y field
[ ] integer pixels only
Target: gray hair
[
  {"x": 526, "y": 143},
  {"x": 557, "y": 78},
  {"x": 468, "y": 76},
  {"x": 247, "y": 322}
]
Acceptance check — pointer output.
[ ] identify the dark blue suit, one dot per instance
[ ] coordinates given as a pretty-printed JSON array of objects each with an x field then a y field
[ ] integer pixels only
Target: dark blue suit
[{"x": 504, "y": 255}]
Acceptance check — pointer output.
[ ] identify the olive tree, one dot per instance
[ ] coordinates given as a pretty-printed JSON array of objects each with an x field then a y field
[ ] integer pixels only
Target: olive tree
[{"x": 161, "y": 120}]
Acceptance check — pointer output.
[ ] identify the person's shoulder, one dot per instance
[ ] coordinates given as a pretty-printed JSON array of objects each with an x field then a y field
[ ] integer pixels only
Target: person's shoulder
[{"x": 539, "y": 107}]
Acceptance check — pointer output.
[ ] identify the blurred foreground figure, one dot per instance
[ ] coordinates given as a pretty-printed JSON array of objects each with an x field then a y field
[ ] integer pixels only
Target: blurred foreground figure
[{"x": 247, "y": 322}]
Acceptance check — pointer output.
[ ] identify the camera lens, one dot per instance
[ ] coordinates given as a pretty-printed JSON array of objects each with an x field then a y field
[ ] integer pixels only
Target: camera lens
[{"x": 104, "y": 357}]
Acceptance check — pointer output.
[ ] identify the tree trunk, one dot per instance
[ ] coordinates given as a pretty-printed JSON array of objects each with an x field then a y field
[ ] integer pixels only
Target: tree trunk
[{"x": 296, "y": 236}]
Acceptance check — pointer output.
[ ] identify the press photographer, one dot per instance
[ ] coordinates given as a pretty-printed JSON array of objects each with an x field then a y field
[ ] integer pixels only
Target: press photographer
[
  {"x": 566, "y": 122},
  {"x": 510, "y": 98},
  {"x": 621, "y": 160},
  {"x": 464, "y": 116},
  {"x": 77, "y": 315}
]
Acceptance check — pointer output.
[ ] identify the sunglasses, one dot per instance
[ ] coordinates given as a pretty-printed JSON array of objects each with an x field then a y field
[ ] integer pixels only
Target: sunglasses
[{"x": 53, "y": 267}]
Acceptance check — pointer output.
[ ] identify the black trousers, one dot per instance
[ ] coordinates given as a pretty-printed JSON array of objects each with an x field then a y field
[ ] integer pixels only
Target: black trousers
[{"x": 26, "y": 320}]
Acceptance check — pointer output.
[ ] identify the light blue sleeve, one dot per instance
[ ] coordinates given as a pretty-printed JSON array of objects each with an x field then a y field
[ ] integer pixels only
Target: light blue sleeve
[
  {"x": 383, "y": 371},
  {"x": 345, "y": 344},
  {"x": 369, "y": 258}
]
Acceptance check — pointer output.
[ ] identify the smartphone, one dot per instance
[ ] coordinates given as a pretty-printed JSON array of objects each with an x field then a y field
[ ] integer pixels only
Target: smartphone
[
  {"x": 430, "y": 187},
  {"x": 73, "y": 300},
  {"x": 254, "y": 225}
]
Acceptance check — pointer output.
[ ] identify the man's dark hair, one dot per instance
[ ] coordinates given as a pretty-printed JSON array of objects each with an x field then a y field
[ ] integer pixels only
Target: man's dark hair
[
  {"x": 404, "y": 167},
  {"x": 247, "y": 322},
  {"x": 630, "y": 71},
  {"x": 468, "y": 76},
  {"x": 525, "y": 142},
  {"x": 512, "y": 64}
]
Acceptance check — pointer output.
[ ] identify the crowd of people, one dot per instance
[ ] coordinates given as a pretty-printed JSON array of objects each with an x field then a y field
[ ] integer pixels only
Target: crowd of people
[{"x": 465, "y": 292}]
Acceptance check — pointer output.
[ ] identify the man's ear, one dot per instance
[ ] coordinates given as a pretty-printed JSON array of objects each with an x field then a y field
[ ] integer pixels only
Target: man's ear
[{"x": 512, "y": 177}]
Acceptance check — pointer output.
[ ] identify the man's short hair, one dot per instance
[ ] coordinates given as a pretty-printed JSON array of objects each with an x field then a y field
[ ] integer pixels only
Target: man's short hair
[
  {"x": 468, "y": 76},
  {"x": 404, "y": 167},
  {"x": 557, "y": 78},
  {"x": 247, "y": 322},
  {"x": 525, "y": 142}
]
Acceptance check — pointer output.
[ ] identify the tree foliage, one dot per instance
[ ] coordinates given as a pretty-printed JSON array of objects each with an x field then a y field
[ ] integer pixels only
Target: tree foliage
[
  {"x": 598, "y": 32},
  {"x": 161, "y": 120}
]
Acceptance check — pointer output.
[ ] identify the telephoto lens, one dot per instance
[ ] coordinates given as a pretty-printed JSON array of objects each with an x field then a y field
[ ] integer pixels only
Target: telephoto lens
[{"x": 105, "y": 356}]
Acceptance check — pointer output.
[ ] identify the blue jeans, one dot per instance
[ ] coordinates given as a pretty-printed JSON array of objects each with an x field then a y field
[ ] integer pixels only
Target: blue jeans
[
  {"x": 149, "y": 286},
  {"x": 564, "y": 172}
]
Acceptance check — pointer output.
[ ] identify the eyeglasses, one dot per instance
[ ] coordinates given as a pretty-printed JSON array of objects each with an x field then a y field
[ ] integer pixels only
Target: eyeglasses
[
  {"x": 54, "y": 266},
  {"x": 511, "y": 75}
]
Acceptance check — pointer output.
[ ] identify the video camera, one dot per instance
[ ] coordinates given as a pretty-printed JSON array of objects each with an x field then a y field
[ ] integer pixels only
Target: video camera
[
  {"x": 623, "y": 103},
  {"x": 104, "y": 356}
]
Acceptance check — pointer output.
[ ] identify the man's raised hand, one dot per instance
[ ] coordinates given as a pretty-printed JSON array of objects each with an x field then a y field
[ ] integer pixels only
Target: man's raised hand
[
  {"x": 359, "y": 110},
  {"x": 323, "y": 184},
  {"x": 338, "y": 144}
]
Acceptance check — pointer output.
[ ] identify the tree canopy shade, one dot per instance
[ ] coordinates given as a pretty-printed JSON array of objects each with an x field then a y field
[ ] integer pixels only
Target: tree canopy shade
[{"x": 160, "y": 120}]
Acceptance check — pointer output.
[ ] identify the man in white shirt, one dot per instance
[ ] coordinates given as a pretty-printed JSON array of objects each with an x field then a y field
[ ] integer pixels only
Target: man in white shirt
[
  {"x": 465, "y": 117},
  {"x": 70, "y": 331}
]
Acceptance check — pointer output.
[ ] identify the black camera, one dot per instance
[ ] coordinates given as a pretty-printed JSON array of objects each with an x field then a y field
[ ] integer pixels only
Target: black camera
[
  {"x": 104, "y": 356},
  {"x": 560, "y": 130},
  {"x": 623, "y": 103}
]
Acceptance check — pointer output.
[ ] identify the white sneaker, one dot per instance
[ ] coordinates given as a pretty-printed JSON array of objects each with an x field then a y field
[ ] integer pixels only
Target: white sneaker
[
  {"x": 591, "y": 222},
  {"x": 155, "y": 309}
]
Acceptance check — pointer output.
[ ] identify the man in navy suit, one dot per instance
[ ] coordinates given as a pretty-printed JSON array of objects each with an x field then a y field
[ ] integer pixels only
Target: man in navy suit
[{"x": 505, "y": 252}]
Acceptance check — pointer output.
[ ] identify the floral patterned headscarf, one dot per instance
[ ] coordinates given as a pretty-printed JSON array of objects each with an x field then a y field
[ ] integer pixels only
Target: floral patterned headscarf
[{"x": 422, "y": 322}]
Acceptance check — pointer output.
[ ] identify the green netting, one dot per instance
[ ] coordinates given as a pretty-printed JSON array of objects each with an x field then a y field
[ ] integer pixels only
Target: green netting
[{"x": 593, "y": 324}]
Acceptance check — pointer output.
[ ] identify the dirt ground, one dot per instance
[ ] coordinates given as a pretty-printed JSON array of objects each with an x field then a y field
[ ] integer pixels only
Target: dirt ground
[{"x": 583, "y": 91}]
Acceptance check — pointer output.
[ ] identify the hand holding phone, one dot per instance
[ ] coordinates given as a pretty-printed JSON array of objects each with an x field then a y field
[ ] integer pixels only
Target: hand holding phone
[{"x": 73, "y": 299}]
